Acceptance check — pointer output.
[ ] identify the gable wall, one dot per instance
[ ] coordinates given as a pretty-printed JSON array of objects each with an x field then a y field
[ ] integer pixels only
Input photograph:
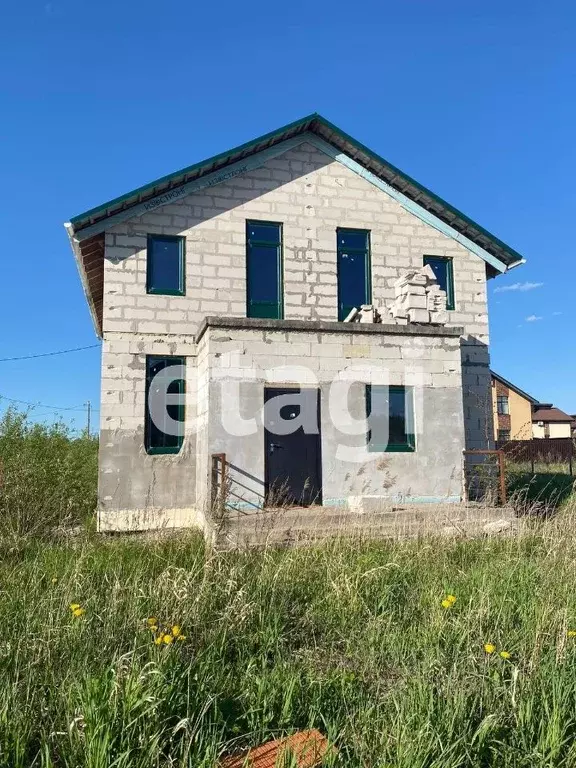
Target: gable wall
[{"x": 311, "y": 195}]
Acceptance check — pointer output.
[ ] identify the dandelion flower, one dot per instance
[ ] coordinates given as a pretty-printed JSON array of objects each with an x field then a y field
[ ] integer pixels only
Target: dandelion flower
[
  {"x": 74, "y": 607},
  {"x": 176, "y": 630},
  {"x": 153, "y": 628},
  {"x": 489, "y": 647},
  {"x": 505, "y": 654},
  {"x": 451, "y": 599},
  {"x": 158, "y": 640},
  {"x": 78, "y": 612},
  {"x": 572, "y": 633},
  {"x": 152, "y": 621},
  {"x": 447, "y": 604},
  {"x": 168, "y": 639},
  {"x": 54, "y": 579},
  {"x": 181, "y": 637}
]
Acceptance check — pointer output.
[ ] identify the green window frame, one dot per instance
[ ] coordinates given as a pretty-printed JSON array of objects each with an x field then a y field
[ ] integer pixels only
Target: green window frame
[
  {"x": 443, "y": 268},
  {"x": 397, "y": 409},
  {"x": 353, "y": 248},
  {"x": 264, "y": 279},
  {"x": 164, "y": 279},
  {"x": 157, "y": 440},
  {"x": 503, "y": 405}
]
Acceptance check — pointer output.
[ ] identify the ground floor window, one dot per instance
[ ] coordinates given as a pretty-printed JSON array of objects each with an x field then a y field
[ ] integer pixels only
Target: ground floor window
[
  {"x": 390, "y": 415},
  {"x": 503, "y": 435},
  {"x": 164, "y": 404}
]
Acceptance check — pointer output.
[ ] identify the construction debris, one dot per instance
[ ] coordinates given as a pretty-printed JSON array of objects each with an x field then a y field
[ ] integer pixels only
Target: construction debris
[
  {"x": 419, "y": 298},
  {"x": 308, "y": 748}
]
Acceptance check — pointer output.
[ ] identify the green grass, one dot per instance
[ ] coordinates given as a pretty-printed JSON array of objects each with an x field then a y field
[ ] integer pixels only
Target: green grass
[
  {"x": 542, "y": 492},
  {"x": 349, "y": 637}
]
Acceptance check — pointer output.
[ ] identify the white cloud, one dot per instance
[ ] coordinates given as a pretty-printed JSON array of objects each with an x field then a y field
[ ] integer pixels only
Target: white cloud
[
  {"x": 533, "y": 318},
  {"x": 518, "y": 287},
  {"x": 556, "y": 313}
]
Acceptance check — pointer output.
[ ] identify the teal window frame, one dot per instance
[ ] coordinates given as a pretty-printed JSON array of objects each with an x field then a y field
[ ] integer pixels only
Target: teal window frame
[
  {"x": 343, "y": 311},
  {"x": 151, "y": 361},
  {"x": 158, "y": 290},
  {"x": 448, "y": 263},
  {"x": 273, "y": 310},
  {"x": 409, "y": 446}
]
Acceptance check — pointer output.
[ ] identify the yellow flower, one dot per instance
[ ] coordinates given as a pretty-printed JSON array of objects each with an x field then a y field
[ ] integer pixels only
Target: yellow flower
[
  {"x": 451, "y": 599},
  {"x": 167, "y": 639},
  {"x": 78, "y": 611},
  {"x": 158, "y": 640},
  {"x": 181, "y": 637},
  {"x": 176, "y": 630},
  {"x": 489, "y": 647},
  {"x": 505, "y": 654},
  {"x": 572, "y": 633},
  {"x": 152, "y": 622},
  {"x": 153, "y": 628},
  {"x": 54, "y": 579},
  {"x": 74, "y": 606},
  {"x": 447, "y": 604}
]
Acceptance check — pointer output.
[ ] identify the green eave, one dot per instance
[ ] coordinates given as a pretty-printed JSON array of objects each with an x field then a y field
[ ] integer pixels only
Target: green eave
[{"x": 324, "y": 129}]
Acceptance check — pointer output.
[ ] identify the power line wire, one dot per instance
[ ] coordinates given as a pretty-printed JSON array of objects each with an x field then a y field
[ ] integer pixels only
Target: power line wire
[
  {"x": 42, "y": 405},
  {"x": 47, "y": 354}
]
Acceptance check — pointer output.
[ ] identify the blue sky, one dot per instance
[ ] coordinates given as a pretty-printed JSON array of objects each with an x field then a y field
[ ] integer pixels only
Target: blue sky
[{"x": 476, "y": 101}]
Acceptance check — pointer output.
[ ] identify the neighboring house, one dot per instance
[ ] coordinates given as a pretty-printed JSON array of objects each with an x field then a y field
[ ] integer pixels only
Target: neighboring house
[
  {"x": 519, "y": 416},
  {"x": 229, "y": 281},
  {"x": 512, "y": 410},
  {"x": 573, "y": 426},
  {"x": 548, "y": 421}
]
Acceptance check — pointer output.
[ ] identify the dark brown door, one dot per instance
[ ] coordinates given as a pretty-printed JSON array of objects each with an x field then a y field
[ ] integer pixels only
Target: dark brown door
[{"x": 293, "y": 460}]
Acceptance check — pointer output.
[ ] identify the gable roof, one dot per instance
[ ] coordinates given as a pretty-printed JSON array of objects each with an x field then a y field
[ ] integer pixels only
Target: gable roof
[
  {"x": 86, "y": 229},
  {"x": 514, "y": 388}
]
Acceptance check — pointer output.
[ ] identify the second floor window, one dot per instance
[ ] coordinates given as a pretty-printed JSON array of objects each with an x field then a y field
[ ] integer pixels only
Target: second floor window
[
  {"x": 165, "y": 265},
  {"x": 444, "y": 271},
  {"x": 264, "y": 269},
  {"x": 353, "y": 259},
  {"x": 502, "y": 405}
]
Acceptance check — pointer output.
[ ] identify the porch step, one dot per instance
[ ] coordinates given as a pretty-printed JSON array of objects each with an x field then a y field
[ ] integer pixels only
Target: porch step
[{"x": 291, "y": 527}]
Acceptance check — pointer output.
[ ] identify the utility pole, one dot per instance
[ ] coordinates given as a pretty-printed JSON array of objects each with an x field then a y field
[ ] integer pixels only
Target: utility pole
[{"x": 88, "y": 409}]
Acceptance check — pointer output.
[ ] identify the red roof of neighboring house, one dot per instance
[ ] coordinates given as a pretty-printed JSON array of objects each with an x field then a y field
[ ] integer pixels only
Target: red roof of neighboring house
[{"x": 547, "y": 412}]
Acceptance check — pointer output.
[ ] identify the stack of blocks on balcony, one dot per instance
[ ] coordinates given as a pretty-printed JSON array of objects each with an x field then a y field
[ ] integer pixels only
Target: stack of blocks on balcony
[{"x": 419, "y": 298}]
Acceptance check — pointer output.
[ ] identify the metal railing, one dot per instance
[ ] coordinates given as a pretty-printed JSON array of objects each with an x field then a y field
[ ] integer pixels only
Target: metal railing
[{"x": 483, "y": 479}]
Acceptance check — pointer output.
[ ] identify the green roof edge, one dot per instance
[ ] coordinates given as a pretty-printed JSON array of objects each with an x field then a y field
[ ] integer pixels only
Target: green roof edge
[
  {"x": 165, "y": 179},
  {"x": 424, "y": 189},
  {"x": 314, "y": 116}
]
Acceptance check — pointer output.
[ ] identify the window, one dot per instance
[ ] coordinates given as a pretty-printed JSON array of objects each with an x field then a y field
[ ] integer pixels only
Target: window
[
  {"x": 264, "y": 269},
  {"x": 503, "y": 435},
  {"x": 353, "y": 258},
  {"x": 165, "y": 265},
  {"x": 444, "y": 271},
  {"x": 390, "y": 414},
  {"x": 502, "y": 405},
  {"x": 165, "y": 389}
]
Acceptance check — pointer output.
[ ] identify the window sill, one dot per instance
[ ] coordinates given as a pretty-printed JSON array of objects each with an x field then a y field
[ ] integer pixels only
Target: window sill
[
  {"x": 163, "y": 451},
  {"x": 392, "y": 448},
  {"x": 158, "y": 292}
]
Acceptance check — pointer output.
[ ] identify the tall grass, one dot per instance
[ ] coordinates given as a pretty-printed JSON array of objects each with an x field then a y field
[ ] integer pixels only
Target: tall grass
[
  {"x": 350, "y": 637},
  {"x": 47, "y": 476}
]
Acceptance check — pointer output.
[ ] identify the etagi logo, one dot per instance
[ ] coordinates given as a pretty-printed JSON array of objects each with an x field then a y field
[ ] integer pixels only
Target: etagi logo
[{"x": 361, "y": 407}]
